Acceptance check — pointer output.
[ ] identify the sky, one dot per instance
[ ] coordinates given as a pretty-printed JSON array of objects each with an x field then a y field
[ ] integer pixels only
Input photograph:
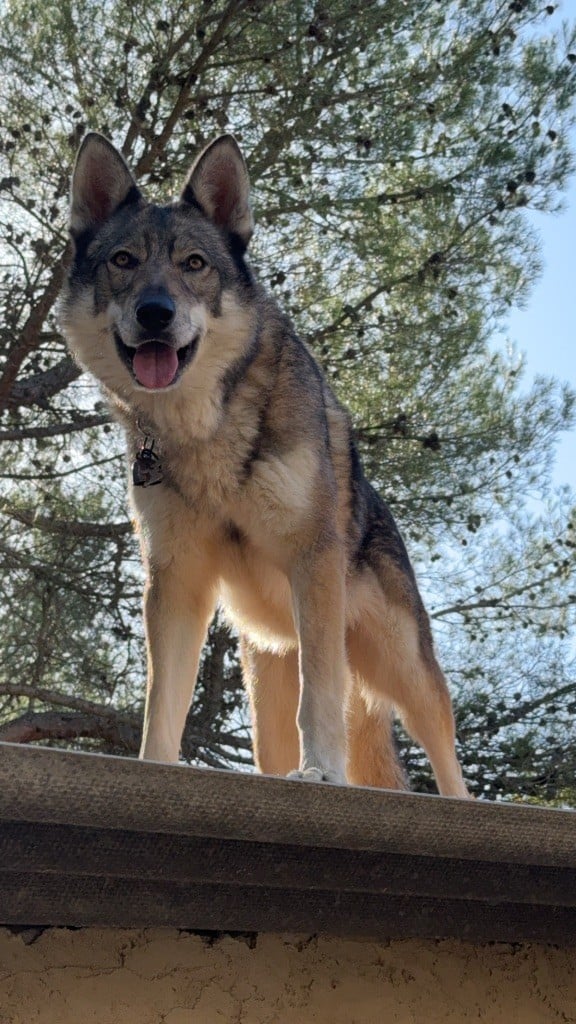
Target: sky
[{"x": 545, "y": 329}]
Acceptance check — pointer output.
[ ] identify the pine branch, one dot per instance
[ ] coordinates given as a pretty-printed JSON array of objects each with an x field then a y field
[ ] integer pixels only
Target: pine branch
[
  {"x": 32, "y": 727},
  {"x": 66, "y": 527},
  {"x": 233, "y": 9},
  {"x": 64, "y": 700},
  {"x": 501, "y": 600},
  {"x": 53, "y": 429},
  {"x": 40, "y": 387},
  {"x": 28, "y": 339},
  {"x": 522, "y": 709}
]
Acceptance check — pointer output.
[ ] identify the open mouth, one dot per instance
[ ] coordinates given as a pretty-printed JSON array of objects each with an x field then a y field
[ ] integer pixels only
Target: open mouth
[{"x": 155, "y": 365}]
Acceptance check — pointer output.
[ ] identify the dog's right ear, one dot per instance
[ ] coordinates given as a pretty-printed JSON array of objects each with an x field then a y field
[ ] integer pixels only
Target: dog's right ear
[
  {"x": 218, "y": 184},
  {"x": 101, "y": 183}
]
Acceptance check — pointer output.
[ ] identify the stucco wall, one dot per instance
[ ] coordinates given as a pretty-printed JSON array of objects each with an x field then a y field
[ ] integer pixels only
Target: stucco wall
[{"x": 160, "y": 976}]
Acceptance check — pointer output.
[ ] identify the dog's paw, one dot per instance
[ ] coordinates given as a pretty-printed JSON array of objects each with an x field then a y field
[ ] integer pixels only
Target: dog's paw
[{"x": 318, "y": 775}]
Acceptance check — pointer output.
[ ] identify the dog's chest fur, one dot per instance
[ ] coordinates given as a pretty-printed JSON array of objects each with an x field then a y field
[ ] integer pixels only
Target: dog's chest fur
[
  {"x": 245, "y": 530},
  {"x": 223, "y": 481},
  {"x": 238, "y": 486}
]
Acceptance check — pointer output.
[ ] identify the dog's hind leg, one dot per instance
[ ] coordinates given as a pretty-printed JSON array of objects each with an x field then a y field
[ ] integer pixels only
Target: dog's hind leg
[
  {"x": 273, "y": 688},
  {"x": 426, "y": 711},
  {"x": 371, "y": 753},
  {"x": 393, "y": 654}
]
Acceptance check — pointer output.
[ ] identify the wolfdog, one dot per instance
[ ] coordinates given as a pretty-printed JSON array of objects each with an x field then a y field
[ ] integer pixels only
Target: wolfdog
[{"x": 247, "y": 486}]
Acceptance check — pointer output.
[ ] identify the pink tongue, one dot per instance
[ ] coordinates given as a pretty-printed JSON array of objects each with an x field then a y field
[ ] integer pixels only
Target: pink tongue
[{"x": 155, "y": 365}]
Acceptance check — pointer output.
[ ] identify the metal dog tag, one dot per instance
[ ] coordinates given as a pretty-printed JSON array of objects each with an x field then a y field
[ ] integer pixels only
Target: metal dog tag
[{"x": 146, "y": 468}]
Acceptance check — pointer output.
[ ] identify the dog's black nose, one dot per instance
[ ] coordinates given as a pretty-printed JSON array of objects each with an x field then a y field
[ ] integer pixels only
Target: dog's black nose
[{"x": 155, "y": 312}]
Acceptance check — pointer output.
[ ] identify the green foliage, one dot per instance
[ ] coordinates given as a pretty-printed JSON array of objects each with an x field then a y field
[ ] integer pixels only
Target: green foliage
[{"x": 394, "y": 149}]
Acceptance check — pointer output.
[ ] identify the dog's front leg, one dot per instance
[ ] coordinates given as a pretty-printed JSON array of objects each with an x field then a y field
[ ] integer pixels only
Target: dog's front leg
[
  {"x": 176, "y": 616},
  {"x": 318, "y": 592}
]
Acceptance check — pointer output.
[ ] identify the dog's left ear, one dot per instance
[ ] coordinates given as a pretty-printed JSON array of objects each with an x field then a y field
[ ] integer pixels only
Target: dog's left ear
[
  {"x": 218, "y": 183},
  {"x": 101, "y": 183}
]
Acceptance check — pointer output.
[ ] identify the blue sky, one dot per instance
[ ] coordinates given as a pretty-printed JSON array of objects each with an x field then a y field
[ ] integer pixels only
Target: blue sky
[{"x": 545, "y": 330}]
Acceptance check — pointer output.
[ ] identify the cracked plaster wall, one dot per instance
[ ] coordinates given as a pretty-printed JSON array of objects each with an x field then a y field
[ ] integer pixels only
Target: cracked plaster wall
[{"x": 162, "y": 976}]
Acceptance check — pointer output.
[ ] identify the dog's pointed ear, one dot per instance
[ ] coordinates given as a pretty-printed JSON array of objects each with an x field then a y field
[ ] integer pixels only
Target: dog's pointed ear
[
  {"x": 101, "y": 182},
  {"x": 218, "y": 183}
]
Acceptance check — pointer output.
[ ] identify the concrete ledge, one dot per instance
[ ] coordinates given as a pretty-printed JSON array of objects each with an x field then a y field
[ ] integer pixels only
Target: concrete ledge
[{"x": 92, "y": 840}]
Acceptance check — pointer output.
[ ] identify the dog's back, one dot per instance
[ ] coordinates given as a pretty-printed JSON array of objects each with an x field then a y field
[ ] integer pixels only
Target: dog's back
[{"x": 260, "y": 500}]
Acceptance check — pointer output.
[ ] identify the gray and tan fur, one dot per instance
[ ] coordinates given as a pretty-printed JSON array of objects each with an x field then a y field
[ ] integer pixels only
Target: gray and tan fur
[{"x": 263, "y": 505}]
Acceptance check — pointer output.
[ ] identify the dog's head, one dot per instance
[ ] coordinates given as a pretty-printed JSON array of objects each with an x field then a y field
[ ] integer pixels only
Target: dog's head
[{"x": 148, "y": 281}]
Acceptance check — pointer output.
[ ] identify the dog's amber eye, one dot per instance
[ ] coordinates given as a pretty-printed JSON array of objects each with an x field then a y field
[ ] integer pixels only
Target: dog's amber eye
[
  {"x": 124, "y": 260},
  {"x": 194, "y": 262}
]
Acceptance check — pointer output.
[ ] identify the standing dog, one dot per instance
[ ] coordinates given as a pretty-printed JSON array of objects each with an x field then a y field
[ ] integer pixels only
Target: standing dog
[{"x": 247, "y": 486}]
